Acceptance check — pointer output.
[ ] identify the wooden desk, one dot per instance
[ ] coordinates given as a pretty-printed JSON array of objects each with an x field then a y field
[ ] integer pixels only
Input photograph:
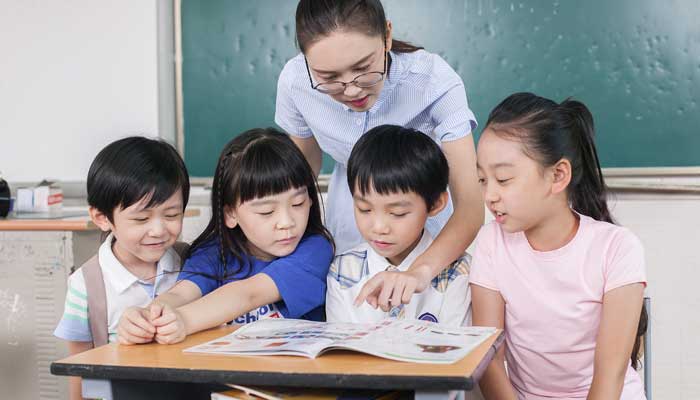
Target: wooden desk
[{"x": 139, "y": 372}]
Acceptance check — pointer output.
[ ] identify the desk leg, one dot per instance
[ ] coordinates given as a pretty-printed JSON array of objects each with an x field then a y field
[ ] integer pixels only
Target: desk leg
[
  {"x": 97, "y": 389},
  {"x": 435, "y": 395}
]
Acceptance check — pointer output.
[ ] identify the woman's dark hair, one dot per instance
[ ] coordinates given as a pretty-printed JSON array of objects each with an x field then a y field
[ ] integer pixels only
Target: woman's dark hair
[
  {"x": 550, "y": 132},
  {"x": 256, "y": 163},
  {"x": 133, "y": 168},
  {"x": 316, "y": 19},
  {"x": 392, "y": 159}
]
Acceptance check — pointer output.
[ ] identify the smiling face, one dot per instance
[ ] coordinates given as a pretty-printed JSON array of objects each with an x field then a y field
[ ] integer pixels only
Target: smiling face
[
  {"x": 143, "y": 234},
  {"x": 516, "y": 189},
  {"x": 392, "y": 224},
  {"x": 342, "y": 56},
  {"x": 273, "y": 225}
]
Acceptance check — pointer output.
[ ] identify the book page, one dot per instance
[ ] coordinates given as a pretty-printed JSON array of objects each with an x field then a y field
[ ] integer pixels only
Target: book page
[
  {"x": 401, "y": 340},
  {"x": 273, "y": 336},
  {"x": 417, "y": 341}
]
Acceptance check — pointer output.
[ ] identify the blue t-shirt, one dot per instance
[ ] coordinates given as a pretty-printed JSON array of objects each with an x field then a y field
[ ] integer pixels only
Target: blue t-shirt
[{"x": 300, "y": 277}]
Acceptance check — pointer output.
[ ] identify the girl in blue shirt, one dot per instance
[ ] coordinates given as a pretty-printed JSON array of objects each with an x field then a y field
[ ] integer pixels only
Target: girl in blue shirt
[
  {"x": 352, "y": 76},
  {"x": 264, "y": 254}
]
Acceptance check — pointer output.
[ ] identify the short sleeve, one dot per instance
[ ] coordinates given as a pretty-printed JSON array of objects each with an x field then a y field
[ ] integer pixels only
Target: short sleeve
[
  {"x": 450, "y": 112},
  {"x": 301, "y": 276},
  {"x": 483, "y": 271},
  {"x": 625, "y": 262},
  {"x": 287, "y": 115},
  {"x": 203, "y": 268},
  {"x": 74, "y": 324}
]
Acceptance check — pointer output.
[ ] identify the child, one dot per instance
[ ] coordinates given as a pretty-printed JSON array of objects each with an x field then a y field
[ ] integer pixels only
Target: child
[
  {"x": 398, "y": 178},
  {"x": 264, "y": 254},
  {"x": 552, "y": 269},
  {"x": 137, "y": 191}
]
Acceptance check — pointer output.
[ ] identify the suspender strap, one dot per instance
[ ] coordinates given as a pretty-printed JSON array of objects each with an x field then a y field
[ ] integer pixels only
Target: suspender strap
[{"x": 97, "y": 301}]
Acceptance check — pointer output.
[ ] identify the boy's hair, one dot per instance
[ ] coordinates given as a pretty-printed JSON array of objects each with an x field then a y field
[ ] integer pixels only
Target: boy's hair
[
  {"x": 392, "y": 159},
  {"x": 132, "y": 168}
]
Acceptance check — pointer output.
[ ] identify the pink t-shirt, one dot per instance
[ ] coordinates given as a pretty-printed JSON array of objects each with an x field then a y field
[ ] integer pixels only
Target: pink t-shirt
[{"x": 554, "y": 303}]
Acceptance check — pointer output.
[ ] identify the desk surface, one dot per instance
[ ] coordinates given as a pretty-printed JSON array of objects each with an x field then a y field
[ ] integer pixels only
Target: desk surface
[
  {"x": 345, "y": 369},
  {"x": 82, "y": 223}
]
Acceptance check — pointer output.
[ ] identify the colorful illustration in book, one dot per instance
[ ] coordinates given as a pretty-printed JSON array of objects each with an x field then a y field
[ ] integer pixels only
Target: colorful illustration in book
[{"x": 432, "y": 348}]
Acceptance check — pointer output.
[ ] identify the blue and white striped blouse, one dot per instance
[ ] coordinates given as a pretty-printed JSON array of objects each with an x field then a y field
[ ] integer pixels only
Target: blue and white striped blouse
[{"x": 421, "y": 92}]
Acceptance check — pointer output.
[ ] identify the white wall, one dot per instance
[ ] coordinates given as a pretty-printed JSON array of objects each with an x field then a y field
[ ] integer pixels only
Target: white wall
[{"x": 74, "y": 76}]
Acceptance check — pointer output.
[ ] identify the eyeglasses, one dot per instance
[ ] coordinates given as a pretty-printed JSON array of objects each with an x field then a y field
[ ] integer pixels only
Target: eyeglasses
[{"x": 368, "y": 79}]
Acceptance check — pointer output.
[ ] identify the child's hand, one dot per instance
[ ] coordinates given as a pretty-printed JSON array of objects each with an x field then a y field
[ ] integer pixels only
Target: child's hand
[
  {"x": 135, "y": 326},
  {"x": 390, "y": 289},
  {"x": 170, "y": 326}
]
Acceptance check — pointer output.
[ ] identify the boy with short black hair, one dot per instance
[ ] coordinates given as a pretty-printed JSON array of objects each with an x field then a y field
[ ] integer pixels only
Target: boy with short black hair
[
  {"x": 398, "y": 178},
  {"x": 137, "y": 191}
]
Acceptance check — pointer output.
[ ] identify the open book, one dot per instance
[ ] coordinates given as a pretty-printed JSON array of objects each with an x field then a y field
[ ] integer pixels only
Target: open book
[{"x": 401, "y": 340}]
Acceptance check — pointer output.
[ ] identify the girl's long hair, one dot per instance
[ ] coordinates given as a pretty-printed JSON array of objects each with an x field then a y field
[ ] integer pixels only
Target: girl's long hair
[
  {"x": 316, "y": 19},
  {"x": 257, "y": 163},
  {"x": 550, "y": 132}
]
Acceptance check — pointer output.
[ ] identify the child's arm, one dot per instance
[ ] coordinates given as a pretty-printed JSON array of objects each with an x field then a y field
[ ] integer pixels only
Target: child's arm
[
  {"x": 616, "y": 337},
  {"x": 75, "y": 389},
  {"x": 489, "y": 309},
  {"x": 135, "y": 324},
  {"x": 218, "y": 307}
]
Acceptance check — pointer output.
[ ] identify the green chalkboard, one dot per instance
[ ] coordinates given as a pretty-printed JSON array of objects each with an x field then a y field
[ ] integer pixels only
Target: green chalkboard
[{"x": 635, "y": 63}]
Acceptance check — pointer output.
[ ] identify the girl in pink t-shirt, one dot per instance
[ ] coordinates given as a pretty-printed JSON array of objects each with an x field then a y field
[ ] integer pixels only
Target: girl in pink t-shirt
[{"x": 552, "y": 269}]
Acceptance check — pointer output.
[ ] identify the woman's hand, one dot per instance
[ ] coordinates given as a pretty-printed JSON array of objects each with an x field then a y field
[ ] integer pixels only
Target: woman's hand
[{"x": 391, "y": 288}]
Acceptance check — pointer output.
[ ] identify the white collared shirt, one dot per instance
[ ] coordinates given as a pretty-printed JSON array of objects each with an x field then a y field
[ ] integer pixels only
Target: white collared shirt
[
  {"x": 122, "y": 288},
  {"x": 447, "y": 300}
]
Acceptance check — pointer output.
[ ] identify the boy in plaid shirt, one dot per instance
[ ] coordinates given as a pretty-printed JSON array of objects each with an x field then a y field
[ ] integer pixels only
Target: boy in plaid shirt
[{"x": 398, "y": 179}]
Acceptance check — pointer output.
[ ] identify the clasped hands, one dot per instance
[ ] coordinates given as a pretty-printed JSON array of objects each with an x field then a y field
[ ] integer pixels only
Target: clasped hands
[{"x": 157, "y": 321}]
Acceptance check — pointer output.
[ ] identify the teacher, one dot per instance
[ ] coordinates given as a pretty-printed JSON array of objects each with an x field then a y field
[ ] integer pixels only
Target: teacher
[{"x": 351, "y": 76}]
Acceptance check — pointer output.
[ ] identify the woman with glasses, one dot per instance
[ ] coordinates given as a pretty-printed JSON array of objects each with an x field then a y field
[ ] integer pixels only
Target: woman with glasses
[{"x": 352, "y": 76}]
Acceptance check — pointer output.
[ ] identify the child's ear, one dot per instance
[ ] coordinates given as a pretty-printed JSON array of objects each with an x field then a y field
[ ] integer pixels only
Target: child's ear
[
  {"x": 440, "y": 204},
  {"x": 100, "y": 219},
  {"x": 230, "y": 218},
  {"x": 561, "y": 176}
]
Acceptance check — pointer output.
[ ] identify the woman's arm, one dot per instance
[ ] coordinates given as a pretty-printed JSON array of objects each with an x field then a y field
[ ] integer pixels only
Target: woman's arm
[
  {"x": 453, "y": 240},
  {"x": 311, "y": 150},
  {"x": 489, "y": 308},
  {"x": 616, "y": 337}
]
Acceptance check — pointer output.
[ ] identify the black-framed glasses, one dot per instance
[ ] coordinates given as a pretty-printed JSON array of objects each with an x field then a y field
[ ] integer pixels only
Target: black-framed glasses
[{"x": 368, "y": 79}]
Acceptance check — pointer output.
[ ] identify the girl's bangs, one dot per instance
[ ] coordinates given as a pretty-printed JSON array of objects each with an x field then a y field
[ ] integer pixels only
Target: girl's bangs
[{"x": 267, "y": 173}]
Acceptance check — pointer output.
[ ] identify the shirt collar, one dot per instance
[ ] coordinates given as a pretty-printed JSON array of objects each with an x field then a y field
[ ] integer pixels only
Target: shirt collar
[
  {"x": 377, "y": 263},
  {"x": 121, "y": 278}
]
